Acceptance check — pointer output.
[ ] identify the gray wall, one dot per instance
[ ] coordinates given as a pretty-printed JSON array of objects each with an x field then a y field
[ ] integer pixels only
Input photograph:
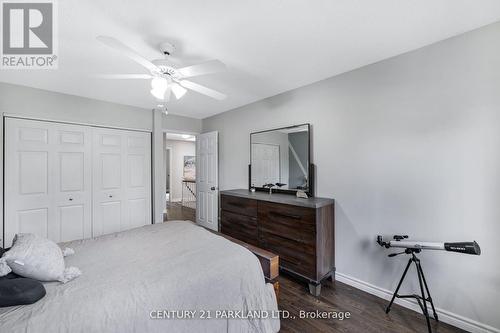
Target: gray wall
[
  {"x": 176, "y": 123},
  {"x": 33, "y": 102},
  {"x": 15, "y": 99},
  {"x": 408, "y": 145}
]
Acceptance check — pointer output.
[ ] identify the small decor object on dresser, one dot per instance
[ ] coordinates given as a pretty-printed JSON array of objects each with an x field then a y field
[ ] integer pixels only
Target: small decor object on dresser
[
  {"x": 301, "y": 194},
  {"x": 300, "y": 231}
]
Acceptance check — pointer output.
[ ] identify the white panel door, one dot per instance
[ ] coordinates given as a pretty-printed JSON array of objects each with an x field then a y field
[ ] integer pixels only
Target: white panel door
[
  {"x": 122, "y": 180},
  {"x": 137, "y": 187},
  {"x": 207, "y": 180},
  {"x": 265, "y": 164},
  {"x": 72, "y": 182},
  {"x": 47, "y": 180},
  {"x": 107, "y": 178},
  {"x": 27, "y": 164}
]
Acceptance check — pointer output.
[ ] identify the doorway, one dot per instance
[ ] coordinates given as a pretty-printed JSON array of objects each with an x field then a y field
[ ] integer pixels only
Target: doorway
[{"x": 180, "y": 167}]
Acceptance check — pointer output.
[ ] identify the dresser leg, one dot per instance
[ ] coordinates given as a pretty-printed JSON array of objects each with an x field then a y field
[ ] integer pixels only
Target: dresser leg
[{"x": 315, "y": 289}]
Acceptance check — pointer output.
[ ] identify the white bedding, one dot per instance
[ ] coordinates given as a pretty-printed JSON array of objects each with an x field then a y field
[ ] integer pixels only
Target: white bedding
[{"x": 170, "y": 266}]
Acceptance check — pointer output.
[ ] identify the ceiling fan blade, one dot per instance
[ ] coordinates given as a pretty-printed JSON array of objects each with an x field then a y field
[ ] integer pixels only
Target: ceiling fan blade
[
  {"x": 202, "y": 89},
  {"x": 123, "y": 76},
  {"x": 208, "y": 67},
  {"x": 127, "y": 51}
]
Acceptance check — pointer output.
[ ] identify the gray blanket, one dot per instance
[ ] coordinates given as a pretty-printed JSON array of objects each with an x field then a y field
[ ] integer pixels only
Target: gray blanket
[{"x": 134, "y": 279}]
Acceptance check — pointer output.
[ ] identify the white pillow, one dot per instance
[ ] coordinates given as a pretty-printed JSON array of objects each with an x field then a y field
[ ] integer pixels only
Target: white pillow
[{"x": 38, "y": 258}]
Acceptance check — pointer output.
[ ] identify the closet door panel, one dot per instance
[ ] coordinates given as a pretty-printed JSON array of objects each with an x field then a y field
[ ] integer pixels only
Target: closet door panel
[
  {"x": 28, "y": 192},
  {"x": 136, "y": 211},
  {"x": 107, "y": 177},
  {"x": 111, "y": 170},
  {"x": 137, "y": 180},
  {"x": 72, "y": 222},
  {"x": 35, "y": 221},
  {"x": 111, "y": 213},
  {"x": 73, "y": 186},
  {"x": 48, "y": 180},
  {"x": 72, "y": 166},
  {"x": 33, "y": 168},
  {"x": 122, "y": 180}
]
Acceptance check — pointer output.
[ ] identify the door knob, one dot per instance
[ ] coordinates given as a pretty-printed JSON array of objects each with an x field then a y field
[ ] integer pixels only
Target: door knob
[
  {"x": 213, "y": 188},
  {"x": 70, "y": 199},
  {"x": 110, "y": 196}
]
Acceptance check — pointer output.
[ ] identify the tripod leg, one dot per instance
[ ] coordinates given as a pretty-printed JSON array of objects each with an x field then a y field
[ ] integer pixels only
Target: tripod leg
[
  {"x": 399, "y": 286},
  {"x": 426, "y": 312},
  {"x": 427, "y": 289}
]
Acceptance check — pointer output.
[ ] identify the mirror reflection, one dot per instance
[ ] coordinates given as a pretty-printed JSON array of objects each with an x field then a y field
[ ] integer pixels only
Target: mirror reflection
[{"x": 281, "y": 157}]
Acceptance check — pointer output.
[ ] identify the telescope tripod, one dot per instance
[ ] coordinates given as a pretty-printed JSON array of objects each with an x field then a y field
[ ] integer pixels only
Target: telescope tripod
[{"x": 421, "y": 299}]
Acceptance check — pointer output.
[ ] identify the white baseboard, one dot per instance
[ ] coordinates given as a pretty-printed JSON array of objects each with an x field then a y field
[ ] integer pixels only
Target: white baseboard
[{"x": 444, "y": 316}]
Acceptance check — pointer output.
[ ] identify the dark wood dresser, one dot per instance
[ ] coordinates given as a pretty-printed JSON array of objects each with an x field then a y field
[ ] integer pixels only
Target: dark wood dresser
[{"x": 300, "y": 231}]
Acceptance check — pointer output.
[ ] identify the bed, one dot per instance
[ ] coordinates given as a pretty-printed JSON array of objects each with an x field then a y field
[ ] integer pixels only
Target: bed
[{"x": 134, "y": 279}]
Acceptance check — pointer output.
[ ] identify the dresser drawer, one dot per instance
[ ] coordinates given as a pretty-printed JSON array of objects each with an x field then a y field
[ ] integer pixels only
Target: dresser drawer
[
  {"x": 286, "y": 214},
  {"x": 298, "y": 257},
  {"x": 239, "y": 205},
  {"x": 290, "y": 229},
  {"x": 241, "y": 227}
]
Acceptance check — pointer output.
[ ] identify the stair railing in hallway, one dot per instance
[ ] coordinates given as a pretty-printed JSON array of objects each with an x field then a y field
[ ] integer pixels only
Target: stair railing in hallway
[{"x": 188, "y": 193}]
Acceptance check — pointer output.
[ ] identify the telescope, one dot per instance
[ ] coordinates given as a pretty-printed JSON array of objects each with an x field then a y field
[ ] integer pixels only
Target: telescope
[
  {"x": 412, "y": 247},
  {"x": 400, "y": 242}
]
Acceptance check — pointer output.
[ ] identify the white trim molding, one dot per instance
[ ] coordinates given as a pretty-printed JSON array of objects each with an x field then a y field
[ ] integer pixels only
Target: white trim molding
[
  {"x": 444, "y": 316},
  {"x": 51, "y": 120}
]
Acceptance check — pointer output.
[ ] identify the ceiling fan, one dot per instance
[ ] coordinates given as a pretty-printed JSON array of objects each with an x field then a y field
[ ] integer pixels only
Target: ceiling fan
[{"x": 165, "y": 79}]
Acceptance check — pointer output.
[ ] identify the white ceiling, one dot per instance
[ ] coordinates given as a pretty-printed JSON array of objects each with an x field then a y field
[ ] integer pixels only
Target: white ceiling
[{"x": 269, "y": 46}]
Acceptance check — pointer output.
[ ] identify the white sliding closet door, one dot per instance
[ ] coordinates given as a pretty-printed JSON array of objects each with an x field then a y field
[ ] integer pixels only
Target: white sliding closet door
[
  {"x": 72, "y": 182},
  {"x": 68, "y": 182},
  {"x": 121, "y": 180},
  {"x": 138, "y": 179},
  {"x": 47, "y": 180}
]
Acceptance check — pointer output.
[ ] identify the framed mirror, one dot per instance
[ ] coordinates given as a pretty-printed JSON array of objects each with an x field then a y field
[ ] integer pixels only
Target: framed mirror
[{"x": 281, "y": 157}]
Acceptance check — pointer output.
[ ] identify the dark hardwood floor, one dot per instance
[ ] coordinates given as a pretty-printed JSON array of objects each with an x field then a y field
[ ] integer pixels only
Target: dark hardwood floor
[
  {"x": 367, "y": 311},
  {"x": 175, "y": 211}
]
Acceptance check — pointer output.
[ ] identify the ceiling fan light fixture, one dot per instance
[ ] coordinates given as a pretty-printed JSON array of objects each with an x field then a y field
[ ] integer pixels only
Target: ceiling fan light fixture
[
  {"x": 158, "y": 93},
  {"x": 178, "y": 90},
  {"x": 159, "y": 83},
  {"x": 158, "y": 87}
]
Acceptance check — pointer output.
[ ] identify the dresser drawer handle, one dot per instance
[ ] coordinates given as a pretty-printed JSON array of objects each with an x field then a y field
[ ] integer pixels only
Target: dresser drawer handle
[{"x": 296, "y": 217}]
